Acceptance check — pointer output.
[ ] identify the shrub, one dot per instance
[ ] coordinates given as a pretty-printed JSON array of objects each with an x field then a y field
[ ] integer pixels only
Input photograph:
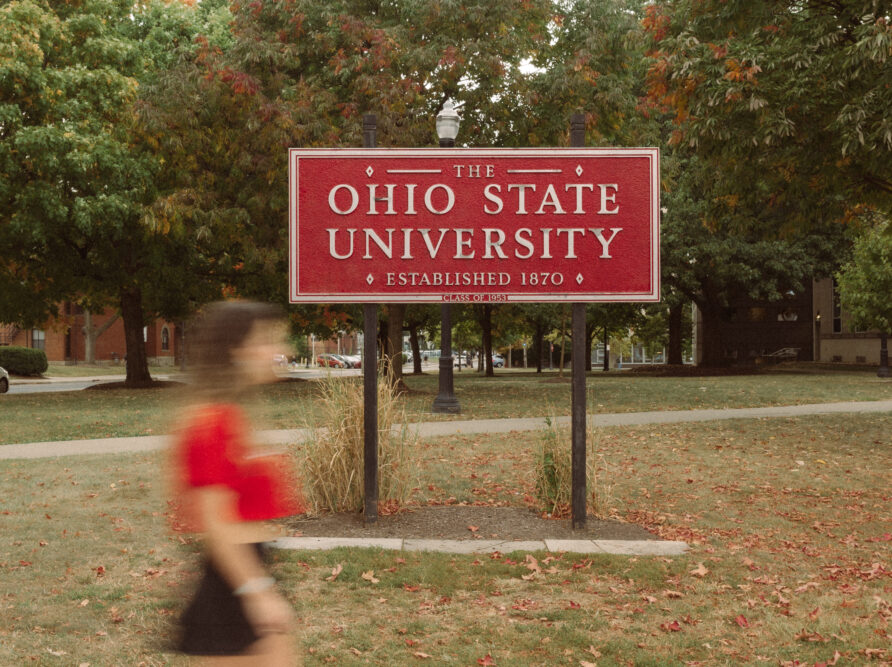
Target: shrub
[
  {"x": 333, "y": 458},
  {"x": 23, "y": 360},
  {"x": 554, "y": 473}
]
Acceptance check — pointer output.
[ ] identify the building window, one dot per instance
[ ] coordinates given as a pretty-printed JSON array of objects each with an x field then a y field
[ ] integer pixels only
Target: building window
[
  {"x": 165, "y": 339},
  {"x": 38, "y": 339},
  {"x": 837, "y": 309}
]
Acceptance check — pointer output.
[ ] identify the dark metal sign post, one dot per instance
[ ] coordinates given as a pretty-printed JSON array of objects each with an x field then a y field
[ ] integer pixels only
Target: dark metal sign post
[
  {"x": 370, "y": 376},
  {"x": 577, "y": 420}
]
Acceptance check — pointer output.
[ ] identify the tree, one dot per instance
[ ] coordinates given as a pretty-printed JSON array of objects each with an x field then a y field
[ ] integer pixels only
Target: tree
[
  {"x": 419, "y": 318},
  {"x": 77, "y": 182},
  {"x": 787, "y": 100},
  {"x": 301, "y": 73},
  {"x": 865, "y": 284},
  {"x": 709, "y": 260},
  {"x": 594, "y": 64}
]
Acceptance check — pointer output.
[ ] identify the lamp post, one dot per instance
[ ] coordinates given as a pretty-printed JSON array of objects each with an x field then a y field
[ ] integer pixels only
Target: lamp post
[{"x": 446, "y": 402}]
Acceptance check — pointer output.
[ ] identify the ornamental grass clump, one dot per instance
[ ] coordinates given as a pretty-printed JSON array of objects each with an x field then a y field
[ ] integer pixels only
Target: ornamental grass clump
[
  {"x": 554, "y": 473},
  {"x": 332, "y": 463}
]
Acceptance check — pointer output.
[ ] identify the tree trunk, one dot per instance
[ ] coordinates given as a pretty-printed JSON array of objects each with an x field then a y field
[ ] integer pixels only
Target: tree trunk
[
  {"x": 91, "y": 335},
  {"x": 883, "y": 370},
  {"x": 395, "y": 314},
  {"x": 676, "y": 318},
  {"x": 486, "y": 326},
  {"x": 712, "y": 351},
  {"x": 134, "y": 322},
  {"x": 540, "y": 347},
  {"x": 563, "y": 341},
  {"x": 589, "y": 340},
  {"x": 416, "y": 350}
]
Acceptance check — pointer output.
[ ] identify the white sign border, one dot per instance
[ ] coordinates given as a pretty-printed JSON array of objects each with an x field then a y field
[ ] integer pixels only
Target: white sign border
[{"x": 294, "y": 154}]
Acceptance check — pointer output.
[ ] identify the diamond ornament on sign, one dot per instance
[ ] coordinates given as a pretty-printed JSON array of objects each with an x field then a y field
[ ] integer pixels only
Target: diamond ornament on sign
[
  {"x": 579, "y": 170},
  {"x": 369, "y": 171},
  {"x": 369, "y": 279},
  {"x": 579, "y": 278}
]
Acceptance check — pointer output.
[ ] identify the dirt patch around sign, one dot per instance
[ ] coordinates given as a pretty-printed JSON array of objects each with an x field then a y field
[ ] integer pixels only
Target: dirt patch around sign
[{"x": 464, "y": 522}]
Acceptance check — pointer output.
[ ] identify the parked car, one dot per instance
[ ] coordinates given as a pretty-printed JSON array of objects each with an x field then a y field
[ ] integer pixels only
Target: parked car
[
  {"x": 330, "y": 360},
  {"x": 4, "y": 380},
  {"x": 466, "y": 359},
  {"x": 498, "y": 361},
  {"x": 349, "y": 360}
]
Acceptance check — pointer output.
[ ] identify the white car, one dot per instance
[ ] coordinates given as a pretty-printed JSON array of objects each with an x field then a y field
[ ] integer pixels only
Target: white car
[{"x": 4, "y": 380}]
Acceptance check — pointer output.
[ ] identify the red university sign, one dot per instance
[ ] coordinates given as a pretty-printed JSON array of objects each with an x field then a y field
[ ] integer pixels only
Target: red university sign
[{"x": 474, "y": 225}]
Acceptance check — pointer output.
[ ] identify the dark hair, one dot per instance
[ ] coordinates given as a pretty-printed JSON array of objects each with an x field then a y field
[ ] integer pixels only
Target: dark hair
[{"x": 216, "y": 332}]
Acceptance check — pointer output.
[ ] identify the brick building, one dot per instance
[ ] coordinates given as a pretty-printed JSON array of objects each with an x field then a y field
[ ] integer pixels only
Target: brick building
[
  {"x": 63, "y": 339},
  {"x": 811, "y": 325}
]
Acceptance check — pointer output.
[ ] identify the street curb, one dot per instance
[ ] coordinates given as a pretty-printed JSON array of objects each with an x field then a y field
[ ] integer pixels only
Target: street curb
[{"x": 470, "y": 547}]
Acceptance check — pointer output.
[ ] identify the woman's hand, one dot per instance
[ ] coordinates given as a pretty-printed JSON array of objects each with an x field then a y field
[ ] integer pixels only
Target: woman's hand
[{"x": 268, "y": 612}]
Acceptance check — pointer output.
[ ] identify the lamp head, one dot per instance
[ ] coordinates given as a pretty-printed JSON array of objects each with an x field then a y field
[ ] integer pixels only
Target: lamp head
[{"x": 448, "y": 122}]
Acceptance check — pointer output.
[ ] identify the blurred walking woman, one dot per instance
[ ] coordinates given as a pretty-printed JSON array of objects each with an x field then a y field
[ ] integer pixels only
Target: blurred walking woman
[{"x": 227, "y": 490}]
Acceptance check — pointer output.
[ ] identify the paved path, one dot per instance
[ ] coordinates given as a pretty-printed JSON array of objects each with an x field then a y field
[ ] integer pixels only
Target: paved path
[{"x": 442, "y": 428}]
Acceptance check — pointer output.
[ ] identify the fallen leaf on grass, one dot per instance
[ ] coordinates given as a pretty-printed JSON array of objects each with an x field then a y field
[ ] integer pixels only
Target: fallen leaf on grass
[
  {"x": 486, "y": 660},
  {"x": 370, "y": 576},
  {"x": 742, "y": 622},
  {"x": 335, "y": 571},
  {"x": 595, "y": 652},
  {"x": 700, "y": 570},
  {"x": 674, "y": 626},
  {"x": 422, "y": 656},
  {"x": 586, "y": 663},
  {"x": 673, "y": 594},
  {"x": 473, "y": 529}
]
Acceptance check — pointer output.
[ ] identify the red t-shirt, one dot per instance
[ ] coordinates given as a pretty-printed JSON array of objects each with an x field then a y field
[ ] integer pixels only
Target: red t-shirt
[{"x": 211, "y": 450}]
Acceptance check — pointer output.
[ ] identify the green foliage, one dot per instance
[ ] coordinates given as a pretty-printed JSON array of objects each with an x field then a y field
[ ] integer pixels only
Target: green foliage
[
  {"x": 77, "y": 173},
  {"x": 788, "y": 101},
  {"x": 865, "y": 282},
  {"x": 23, "y": 360},
  {"x": 300, "y": 73}
]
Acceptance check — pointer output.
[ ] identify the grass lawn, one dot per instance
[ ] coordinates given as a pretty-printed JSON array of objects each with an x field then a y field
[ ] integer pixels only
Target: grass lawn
[
  {"x": 57, "y": 370},
  {"x": 109, "y": 413},
  {"x": 788, "y": 520}
]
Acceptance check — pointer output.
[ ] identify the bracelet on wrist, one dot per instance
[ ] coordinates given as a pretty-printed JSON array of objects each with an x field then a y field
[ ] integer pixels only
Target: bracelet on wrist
[{"x": 255, "y": 585}]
